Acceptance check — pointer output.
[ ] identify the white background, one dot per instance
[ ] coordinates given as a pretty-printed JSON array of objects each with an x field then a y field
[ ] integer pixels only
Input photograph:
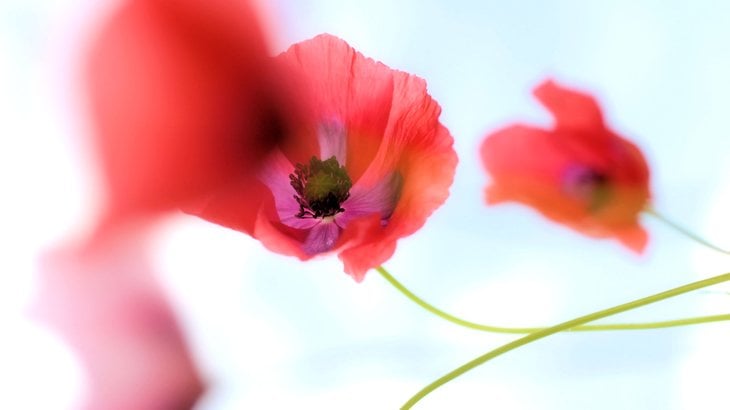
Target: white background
[{"x": 276, "y": 333}]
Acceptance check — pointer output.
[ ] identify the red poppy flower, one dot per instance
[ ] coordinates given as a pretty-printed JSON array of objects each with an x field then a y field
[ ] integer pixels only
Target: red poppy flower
[
  {"x": 369, "y": 166},
  {"x": 184, "y": 99},
  {"x": 580, "y": 173}
]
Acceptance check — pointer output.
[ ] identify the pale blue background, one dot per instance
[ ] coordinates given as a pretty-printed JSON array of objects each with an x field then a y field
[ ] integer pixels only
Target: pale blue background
[{"x": 280, "y": 334}]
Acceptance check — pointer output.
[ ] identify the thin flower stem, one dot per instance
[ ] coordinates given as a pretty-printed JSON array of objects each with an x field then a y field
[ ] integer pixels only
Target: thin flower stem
[
  {"x": 684, "y": 231},
  {"x": 532, "y": 337},
  {"x": 524, "y": 330}
]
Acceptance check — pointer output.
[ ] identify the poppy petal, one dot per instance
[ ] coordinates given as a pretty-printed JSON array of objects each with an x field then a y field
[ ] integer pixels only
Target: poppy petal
[
  {"x": 360, "y": 253},
  {"x": 527, "y": 166},
  {"x": 322, "y": 238},
  {"x": 379, "y": 198},
  {"x": 344, "y": 89},
  {"x": 275, "y": 175},
  {"x": 184, "y": 100},
  {"x": 420, "y": 150},
  {"x": 333, "y": 141},
  {"x": 571, "y": 109},
  {"x": 635, "y": 238}
]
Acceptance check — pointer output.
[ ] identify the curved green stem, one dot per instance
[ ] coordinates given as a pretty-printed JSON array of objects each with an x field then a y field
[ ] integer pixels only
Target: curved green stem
[
  {"x": 524, "y": 330},
  {"x": 532, "y": 337},
  {"x": 684, "y": 231}
]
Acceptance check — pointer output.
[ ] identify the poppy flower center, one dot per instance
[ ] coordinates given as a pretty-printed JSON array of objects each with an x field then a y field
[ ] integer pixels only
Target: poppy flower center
[
  {"x": 589, "y": 185},
  {"x": 321, "y": 187}
]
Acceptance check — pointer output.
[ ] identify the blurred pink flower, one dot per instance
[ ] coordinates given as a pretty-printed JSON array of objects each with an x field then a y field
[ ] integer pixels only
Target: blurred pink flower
[{"x": 109, "y": 307}]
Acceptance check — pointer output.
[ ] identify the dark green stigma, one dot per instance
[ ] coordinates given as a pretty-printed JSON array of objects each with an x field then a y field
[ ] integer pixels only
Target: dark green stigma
[{"x": 321, "y": 187}]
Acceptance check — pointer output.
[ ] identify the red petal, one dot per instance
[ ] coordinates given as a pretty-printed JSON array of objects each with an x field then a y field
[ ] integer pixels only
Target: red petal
[
  {"x": 342, "y": 85},
  {"x": 635, "y": 238},
  {"x": 571, "y": 109},
  {"x": 418, "y": 147},
  {"x": 361, "y": 253},
  {"x": 526, "y": 165},
  {"x": 184, "y": 101}
]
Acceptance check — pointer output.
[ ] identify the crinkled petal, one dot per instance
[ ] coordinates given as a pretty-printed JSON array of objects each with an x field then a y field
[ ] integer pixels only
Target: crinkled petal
[
  {"x": 359, "y": 253},
  {"x": 344, "y": 89},
  {"x": 420, "y": 150}
]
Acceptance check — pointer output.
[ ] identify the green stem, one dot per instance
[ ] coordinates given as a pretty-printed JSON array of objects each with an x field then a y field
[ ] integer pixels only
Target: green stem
[
  {"x": 524, "y": 330},
  {"x": 684, "y": 231},
  {"x": 532, "y": 337}
]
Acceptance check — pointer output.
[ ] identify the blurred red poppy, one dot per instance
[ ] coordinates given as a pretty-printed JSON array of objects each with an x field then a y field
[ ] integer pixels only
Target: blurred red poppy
[
  {"x": 184, "y": 99},
  {"x": 580, "y": 173},
  {"x": 368, "y": 167}
]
